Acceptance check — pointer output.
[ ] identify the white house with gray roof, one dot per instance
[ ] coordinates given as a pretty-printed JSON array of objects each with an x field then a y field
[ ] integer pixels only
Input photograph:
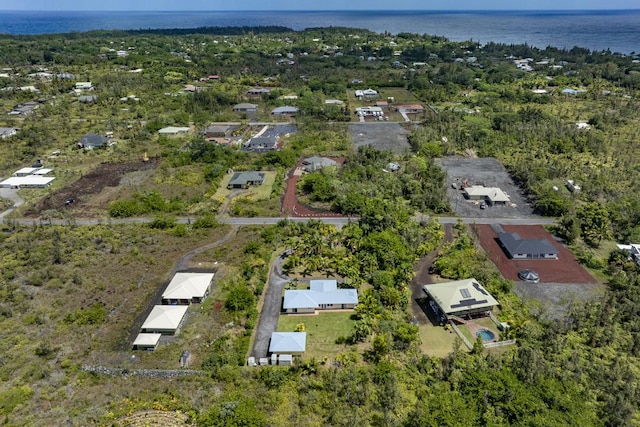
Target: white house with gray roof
[{"x": 321, "y": 295}]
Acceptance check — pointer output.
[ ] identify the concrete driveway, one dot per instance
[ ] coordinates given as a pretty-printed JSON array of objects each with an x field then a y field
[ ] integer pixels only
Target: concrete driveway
[{"x": 268, "y": 322}]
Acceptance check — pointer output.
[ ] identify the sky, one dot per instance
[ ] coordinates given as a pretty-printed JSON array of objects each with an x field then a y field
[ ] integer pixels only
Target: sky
[{"x": 266, "y": 5}]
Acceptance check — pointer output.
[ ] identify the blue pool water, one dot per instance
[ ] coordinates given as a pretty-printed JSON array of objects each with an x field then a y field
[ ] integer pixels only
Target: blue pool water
[{"x": 485, "y": 334}]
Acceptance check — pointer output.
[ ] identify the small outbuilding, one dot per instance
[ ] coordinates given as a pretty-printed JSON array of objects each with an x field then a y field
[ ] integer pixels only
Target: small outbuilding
[
  {"x": 293, "y": 343},
  {"x": 146, "y": 341}
]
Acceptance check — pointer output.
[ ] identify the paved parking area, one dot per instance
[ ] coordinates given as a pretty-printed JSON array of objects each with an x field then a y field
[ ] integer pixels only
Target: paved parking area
[{"x": 485, "y": 171}]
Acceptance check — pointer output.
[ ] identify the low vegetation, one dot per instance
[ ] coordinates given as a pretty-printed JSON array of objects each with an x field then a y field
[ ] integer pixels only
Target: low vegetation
[{"x": 73, "y": 296}]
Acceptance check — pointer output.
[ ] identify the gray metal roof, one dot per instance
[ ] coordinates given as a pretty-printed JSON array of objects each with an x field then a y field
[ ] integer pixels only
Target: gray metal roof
[
  {"x": 514, "y": 244},
  {"x": 242, "y": 178},
  {"x": 288, "y": 342}
]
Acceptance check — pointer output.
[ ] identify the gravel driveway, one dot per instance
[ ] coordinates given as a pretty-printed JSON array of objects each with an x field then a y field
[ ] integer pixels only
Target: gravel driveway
[{"x": 10, "y": 194}]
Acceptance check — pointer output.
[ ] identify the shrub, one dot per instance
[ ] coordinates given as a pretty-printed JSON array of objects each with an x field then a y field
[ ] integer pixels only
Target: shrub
[{"x": 240, "y": 298}]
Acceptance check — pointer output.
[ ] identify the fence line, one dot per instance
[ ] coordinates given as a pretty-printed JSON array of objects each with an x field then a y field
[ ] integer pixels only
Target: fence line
[
  {"x": 155, "y": 373},
  {"x": 464, "y": 339},
  {"x": 498, "y": 344}
]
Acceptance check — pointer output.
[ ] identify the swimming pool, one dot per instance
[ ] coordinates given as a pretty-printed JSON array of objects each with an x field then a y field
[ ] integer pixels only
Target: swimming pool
[{"x": 486, "y": 335}]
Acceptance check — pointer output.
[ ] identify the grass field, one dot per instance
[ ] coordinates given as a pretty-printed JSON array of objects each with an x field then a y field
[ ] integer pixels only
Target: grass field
[
  {"x": 322, "y": 331},
  {"x": 436, "y": 340},
  {"x": 260, "y": 192}
]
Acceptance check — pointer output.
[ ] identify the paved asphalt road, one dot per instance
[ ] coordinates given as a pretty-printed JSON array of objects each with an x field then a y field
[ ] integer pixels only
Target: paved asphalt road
[
  {"x": 268, "y": 321},
  {"x": 338, "y": 222}
]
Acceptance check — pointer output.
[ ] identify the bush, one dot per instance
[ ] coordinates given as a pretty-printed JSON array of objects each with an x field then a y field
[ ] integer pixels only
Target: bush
[
  {"x": 94, "y": 315},
  {"x": 163, "y": 222},
  {"x": 240, "y": 298},
  {"x": 206, "y": 221}
]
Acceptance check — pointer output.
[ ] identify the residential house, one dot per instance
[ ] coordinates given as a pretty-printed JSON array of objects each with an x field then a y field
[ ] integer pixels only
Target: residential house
[
  {"x": 219, "y": 131},
  {"x": 491, "y": 195},
  {"x": 92, "y": 140},
  {"x": 24, "y": 108},
  {"x": 369, "y": 111},
  {"x": 410, "y": 109},
  {"x": 28, "y": 181},
  {"x": 518, "y": 248},
  {"x": 370, "y": 93},
  {"x": 459, "y": 298},
  {"x": 245, "y": 108},
  {"x": 261, "y": 144},
  {"x": 285, "y": 110},
  {"x": 315, "y": 163},
  {"x": 187, "y": 288},
  {"x": 293, "y": 343},
  {"x": 246, "y": 179},
  {"x": 164, "y": 319},
  {"x": 258, "y": 92},
  {"x": 7, "y": 132},
  {"x": 174, "y": 130},
  {"x": 25, "y": 171},
  {"x": 321, "y": 295}
]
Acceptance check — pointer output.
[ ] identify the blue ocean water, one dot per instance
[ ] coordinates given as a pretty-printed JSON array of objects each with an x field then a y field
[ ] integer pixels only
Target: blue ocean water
[{"x": 618, "y": 31}]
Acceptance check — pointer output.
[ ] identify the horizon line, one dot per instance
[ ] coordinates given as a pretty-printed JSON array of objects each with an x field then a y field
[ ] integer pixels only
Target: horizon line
[{"x": 325, "y": 10}]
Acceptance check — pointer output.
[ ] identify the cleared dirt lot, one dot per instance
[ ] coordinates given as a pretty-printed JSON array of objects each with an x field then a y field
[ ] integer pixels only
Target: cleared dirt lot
[
  {"x": 555, "y": 299},
  {"x": 485, "y": 171},
  {"x": 563, "y": 283},
  {"x": 382, "y": 136},
  {"x": 84, "y": 190},
  {"x": 565, "y": 269}
]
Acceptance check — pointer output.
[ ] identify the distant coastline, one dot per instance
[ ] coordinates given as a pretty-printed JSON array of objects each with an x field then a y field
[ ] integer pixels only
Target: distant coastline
[{"x": 617, "y": 30}]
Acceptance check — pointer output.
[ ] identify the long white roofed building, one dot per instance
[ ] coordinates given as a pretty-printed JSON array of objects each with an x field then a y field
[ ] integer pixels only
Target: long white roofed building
[{"x": 187, "y": 288}]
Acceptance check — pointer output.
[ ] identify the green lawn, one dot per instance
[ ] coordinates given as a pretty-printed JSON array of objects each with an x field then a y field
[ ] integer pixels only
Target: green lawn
[
  {"x": 437, "y": 341},
  {"x": 322, "y": 331}
]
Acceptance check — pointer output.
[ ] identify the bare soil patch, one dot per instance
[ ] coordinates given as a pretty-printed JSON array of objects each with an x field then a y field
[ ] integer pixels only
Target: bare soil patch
[
  {"x": 105, "y": 176},
  {"x": 382, "y": 136}
]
